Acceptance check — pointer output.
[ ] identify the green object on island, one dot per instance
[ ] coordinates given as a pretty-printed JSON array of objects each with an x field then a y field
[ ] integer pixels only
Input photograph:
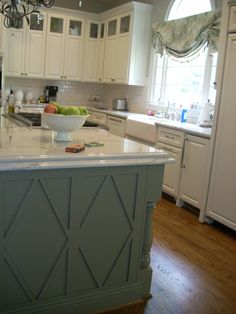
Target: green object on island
[{"x": 93, "y": 144}]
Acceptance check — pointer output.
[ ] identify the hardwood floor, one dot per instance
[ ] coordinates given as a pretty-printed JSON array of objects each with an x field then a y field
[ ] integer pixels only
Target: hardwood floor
[{"x": 194, "y": 264}]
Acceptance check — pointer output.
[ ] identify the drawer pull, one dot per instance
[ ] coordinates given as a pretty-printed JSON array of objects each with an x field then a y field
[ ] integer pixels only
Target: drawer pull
[
  {"x": 170, "y": 137},
  {"x": 115, "y": 120}
]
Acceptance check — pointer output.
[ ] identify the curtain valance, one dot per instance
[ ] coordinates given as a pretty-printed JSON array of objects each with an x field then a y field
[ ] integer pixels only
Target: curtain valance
[{"x": 182, "y": 38}]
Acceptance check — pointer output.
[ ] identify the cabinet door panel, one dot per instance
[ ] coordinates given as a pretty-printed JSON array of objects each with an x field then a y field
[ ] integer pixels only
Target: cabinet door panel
[
  {"x": 16, "y": 42},
  {"x": 73, "y": 58},
  {"x": 193, "y": 171},
  {"x": 100, "y": 60},
  {"x": 92, "y": 58},
  {"x": 34, "y": 62},
  {"x": 122, "y": 62},
  {"x": 110, "y": 60},
  {"x": 91, "y": 55},
  {"x": 221, "y": 203},
  {"x": 172, "y": 170},
  {"x": 54, "y": 57}
]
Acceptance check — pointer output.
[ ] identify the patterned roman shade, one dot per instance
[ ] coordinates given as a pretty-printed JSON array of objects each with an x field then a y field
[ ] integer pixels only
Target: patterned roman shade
[{"x": 185, "y": 37}]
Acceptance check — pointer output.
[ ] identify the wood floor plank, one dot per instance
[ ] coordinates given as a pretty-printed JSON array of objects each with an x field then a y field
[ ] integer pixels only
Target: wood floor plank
[{"x": 194, "y": 264}]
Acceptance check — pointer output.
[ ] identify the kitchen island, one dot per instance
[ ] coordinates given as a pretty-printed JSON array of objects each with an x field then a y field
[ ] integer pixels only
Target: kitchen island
[{"x": 75, "y": 229}]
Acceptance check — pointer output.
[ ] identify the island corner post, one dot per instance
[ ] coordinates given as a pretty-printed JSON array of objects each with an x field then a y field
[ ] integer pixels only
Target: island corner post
[{"x": 76, "y": 240}]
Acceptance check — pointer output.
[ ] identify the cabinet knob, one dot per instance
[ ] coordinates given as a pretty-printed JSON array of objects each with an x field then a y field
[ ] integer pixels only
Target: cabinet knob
[
  {"x": 65, "y": 76},
  {"x": 22, "y": 74},
  {"x": 26, "y": 73},
  {"x": 113, "y": 80},
  {"x": 12, "y": 35},
  {"x": 61, "y": 76}
]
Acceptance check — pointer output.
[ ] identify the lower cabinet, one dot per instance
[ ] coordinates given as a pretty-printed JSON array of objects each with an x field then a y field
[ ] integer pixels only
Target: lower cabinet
[
  {"x": 172, "y": 170},
  {"x": 194, "y": 167},
  {"x": 116, "y": 125},
  {"x": 171, "y": 141},
  {"x": 185, "y": 179},
  {"x": 100, "y": 118}
]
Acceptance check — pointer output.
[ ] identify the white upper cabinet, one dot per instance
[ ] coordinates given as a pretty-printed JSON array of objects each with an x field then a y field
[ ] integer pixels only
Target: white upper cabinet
[
  {"x": 26, "y": 48},
  {"x": 101, "y": 49},
  {"x": 110, "y": 47},
  {"x": 127, "y": 44},
  {"x": 64, "y": 47},
  {"x": 232, "y": 19},
  {"x": 93, "y": 54},
  {"x": 2, "y": 33}
]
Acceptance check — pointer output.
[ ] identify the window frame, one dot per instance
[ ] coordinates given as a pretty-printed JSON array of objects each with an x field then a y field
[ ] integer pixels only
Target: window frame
[{"x": 153, "y": 103}]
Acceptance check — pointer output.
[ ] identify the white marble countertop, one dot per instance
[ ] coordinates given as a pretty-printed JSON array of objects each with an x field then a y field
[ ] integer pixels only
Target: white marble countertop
[
  {"x": 188, "y": 128},
  {"x": 23, "y": 148}
]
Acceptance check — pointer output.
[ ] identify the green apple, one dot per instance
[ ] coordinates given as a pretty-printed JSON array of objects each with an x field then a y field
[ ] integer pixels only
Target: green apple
[
  {"x": 83, "y": 110},
  {"x": 58, "y": 106},
  {"x": 70, "y": 110}
]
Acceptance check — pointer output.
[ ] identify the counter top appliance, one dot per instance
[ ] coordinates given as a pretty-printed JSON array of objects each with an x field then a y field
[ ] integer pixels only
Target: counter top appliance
[
  {"x": 50, "y": 93},
  {"x": 120, "y": 104}
]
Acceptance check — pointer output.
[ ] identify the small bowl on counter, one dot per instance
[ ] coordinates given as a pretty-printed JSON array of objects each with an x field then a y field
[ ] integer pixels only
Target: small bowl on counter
[{"x": 63, "y": 125}]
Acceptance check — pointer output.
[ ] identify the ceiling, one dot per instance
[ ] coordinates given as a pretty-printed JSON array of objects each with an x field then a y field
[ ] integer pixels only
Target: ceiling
[{"x": 96, "y": 6}]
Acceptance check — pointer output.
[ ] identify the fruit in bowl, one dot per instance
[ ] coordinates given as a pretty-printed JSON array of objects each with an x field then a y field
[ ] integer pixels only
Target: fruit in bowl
[{"x": 64, "y": 119}]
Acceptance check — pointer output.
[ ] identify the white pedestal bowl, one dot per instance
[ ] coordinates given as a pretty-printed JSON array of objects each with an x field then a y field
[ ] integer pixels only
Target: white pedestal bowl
[{"x": 63, "y": 125}]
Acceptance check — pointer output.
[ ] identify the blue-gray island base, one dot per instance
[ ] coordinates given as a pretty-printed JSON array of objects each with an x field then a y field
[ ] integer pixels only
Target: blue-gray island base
[{"x": 76, "y": 240}]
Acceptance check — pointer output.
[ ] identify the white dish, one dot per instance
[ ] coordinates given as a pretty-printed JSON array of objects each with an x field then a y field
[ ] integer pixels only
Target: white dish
[{"x": 63, "y": 125}]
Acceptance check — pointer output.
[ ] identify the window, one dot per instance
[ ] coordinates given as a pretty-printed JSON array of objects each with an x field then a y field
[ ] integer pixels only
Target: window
[{"x": 184, "y": 84}]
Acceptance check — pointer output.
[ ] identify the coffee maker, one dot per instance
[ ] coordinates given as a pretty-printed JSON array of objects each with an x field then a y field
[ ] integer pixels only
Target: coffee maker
[{"x": 50, "y": 93}]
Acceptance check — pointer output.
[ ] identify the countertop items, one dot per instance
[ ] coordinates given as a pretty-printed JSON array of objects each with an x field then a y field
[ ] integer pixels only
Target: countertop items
[
  {"x": 33, "y": 148},
  {"x": 189, "y": 128}
]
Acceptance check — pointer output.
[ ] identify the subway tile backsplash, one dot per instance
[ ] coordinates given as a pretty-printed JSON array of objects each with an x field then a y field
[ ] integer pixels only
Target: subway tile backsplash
[
  {"x": 71, "y": 93},
  {"x": 80, "y": 93}
]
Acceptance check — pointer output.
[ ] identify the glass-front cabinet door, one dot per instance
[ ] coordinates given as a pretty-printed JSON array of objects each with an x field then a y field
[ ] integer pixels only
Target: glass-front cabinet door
[
  {"x": 55, "y": 48},
  {"x": 56, "y": 25},
  {"x": 124, "y": 24},
  {"x": 73, "y": 48},
  {"x": 75, "y": 28},
  {"x": 37, "y": 22},
  {"x": 93, "y": 30},
  {"x": 112, "y": 28}
]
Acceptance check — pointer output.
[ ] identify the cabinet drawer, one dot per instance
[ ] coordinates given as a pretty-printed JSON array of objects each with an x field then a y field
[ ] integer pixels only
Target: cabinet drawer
[
  {"x": 100, "y": 118},
  {"x": 116, "y": 125},
  {"x": 171, "y": 137},
  {"x": 172, "y": 171},
  {"x": 232, "y": 19}
]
